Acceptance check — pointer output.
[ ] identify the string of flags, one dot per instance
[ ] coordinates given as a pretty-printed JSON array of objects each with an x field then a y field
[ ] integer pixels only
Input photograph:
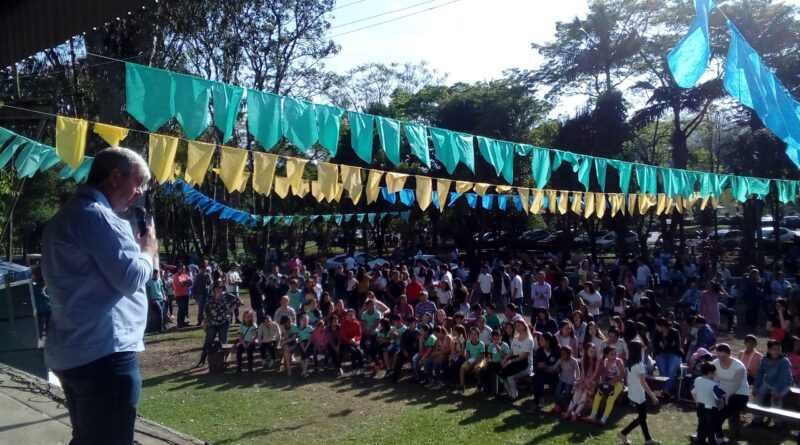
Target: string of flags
[
  {"x": 333, "y": 179},
  {"x": 155, "y": 96},
  {"x": 209, "y": 206},
  {"x": 328, "y": 188}
]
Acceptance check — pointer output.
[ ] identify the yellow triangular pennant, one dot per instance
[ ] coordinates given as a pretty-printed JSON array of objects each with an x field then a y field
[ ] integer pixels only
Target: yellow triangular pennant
[
  {"x": 563, "y": 202},
  {"x": 351, "y": 181},
  {"x": 373, "y": 185},
  {"x": 424, "y": 192},
  {"x": 551, "y": 201},
  {"x": 524, "y": 197},
  {"x": 481, "y": 188},
  {"x": 162, "y": 151},
  {"x": 71, "y": 140},
  {"x": 328, "y": 177},
  {"x": 111, "y": 134},
  {"x": 588, "y": 207},
  {"x": 600, "y": 205},
  {"x": 538, "y": 201},
  {"x": 281, "y": 187},
  {"x": 463, "y": 187},
  {"x": 231, "y": 167},
  {"x": 198, "y": 157},
  {"x": 263, "y": 172},
  {"x": 395, "y": 181},
  {"x": 442, "y": 192}
]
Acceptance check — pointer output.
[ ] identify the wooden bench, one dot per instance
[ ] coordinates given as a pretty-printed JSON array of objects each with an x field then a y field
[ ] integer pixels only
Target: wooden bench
[
  {"x": 218, "y": 359},
  {"x": 793, "y": 398},
  {"x": 656, "y": 382},
  {"x": 775, "y": 413}
]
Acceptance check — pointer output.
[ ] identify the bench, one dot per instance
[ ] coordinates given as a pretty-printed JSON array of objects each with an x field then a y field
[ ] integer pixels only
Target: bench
[
  {"x": 793, "y": 398},
  {"x": 656, "y": 382},
  {"x": 775, "y": 413},
  {"x": 218, "y": 359}
]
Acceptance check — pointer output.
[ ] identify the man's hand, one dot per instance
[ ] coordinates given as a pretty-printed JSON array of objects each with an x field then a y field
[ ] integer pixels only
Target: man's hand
[{"x": 148, "y": 242}]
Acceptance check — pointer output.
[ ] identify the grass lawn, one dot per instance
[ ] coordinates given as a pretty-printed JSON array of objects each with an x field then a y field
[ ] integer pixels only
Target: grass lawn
[{"x": 254, "y": 408}]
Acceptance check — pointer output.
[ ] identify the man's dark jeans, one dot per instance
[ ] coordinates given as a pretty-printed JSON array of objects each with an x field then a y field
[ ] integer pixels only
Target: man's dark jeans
[{"x": 102, "y": 397}]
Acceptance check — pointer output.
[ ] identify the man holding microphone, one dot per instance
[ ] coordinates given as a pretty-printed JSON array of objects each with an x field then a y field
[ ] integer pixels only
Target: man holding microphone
[{"x": 96, "y": 268}]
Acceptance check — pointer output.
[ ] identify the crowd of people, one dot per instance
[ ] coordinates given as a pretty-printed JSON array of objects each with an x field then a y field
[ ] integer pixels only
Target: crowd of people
[{"x": 578, "y": 338}]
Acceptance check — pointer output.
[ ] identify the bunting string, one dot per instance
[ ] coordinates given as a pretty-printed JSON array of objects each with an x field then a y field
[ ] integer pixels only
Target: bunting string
[{"x": 209, "y": 206}]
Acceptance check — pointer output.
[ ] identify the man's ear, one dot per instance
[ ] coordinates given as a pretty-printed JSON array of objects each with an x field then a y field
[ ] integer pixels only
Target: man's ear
[{"x": 115, "y": 177}]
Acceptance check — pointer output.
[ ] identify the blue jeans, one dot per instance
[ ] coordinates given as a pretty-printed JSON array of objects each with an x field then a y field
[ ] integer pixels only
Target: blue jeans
[
  {"x": 563, "y": 392},
  {"x": 102, "y": 397},
  {"x": 220, "y": 331},
  {"x": 668, "y": 366},
  {"x": 415, "y": 366},
  {"x": 201, "y": 306}
]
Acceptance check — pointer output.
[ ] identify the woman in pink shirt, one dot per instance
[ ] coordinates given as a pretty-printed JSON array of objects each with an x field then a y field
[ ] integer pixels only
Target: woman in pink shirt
[{"x": 750, "y": 357}]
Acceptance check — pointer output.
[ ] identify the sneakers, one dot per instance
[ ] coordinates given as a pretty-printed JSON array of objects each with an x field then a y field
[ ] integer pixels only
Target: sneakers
[{"x": 624, "y": 439}]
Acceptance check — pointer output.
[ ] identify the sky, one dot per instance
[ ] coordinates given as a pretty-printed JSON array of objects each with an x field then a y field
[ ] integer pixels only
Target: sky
[{"x": 470, "y": 40}]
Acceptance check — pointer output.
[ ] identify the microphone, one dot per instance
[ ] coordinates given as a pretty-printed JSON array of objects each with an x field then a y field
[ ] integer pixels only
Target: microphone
[
  {"x": 141, "y": 219},
  {"x": 144, "y": 214}
]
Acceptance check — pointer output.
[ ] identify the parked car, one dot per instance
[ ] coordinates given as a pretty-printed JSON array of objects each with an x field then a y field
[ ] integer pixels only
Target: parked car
[
  {"x": 584, "y": 239},
  {"x": 552, "y": 241},
  {"x": 785, "y": 235},
  {"x": 728, "y": 237},
  {"x": 429, "y": 261},
  {"x": 361, "y": 259},
  {"x": 791, "y": 222},
  {"x": 490, "y": 237},
  {"x": 609, "y": 240},
  {"x": 653, "y": 238}
]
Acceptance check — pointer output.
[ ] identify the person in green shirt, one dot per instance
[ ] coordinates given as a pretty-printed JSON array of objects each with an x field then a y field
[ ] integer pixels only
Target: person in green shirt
[
  {"x": 497, "y": 351},
  {"x": 492, "y": 320},
  {"x": 369, "y": 327},
  {"x": 247, "y": 340},
  {"x": 381, "y": 343},
  {"x": 155, "y": 293},
  {"x": 298, "y": 342},
  {"x": 296, "y": 296},
  {"x": 475, "y": 353},
  {"x": 426, "y": 343},
  {"x": 395, "y": 333}
]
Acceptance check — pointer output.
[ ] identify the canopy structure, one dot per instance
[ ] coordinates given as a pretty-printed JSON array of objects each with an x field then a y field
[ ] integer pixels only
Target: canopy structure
[
  {"x": 19, "y": 337},
  {"x": 30, "y": 26},
  {"x": 11, "y": 273}
]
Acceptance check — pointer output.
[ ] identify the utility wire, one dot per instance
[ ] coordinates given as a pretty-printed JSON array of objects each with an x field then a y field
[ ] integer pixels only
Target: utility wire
[
  {"x": 348, "y": 4},
  {"x": 77, "y": 67},
  {"x": 394, "y": 19},
  {"x": 382, "y": 14}
]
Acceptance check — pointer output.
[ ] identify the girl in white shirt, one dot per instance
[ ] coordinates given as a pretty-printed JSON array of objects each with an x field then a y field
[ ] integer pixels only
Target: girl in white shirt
[{"x": 637, "y": 391}]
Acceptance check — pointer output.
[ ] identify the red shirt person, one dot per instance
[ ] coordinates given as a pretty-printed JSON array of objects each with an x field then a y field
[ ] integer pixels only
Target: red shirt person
[{"x": 351, "y": 339}]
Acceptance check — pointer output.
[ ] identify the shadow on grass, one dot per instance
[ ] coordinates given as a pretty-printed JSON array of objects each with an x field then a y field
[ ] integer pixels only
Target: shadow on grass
[
  {"x": 522, "y": 414},
  {"x": 259, "y": 433}
]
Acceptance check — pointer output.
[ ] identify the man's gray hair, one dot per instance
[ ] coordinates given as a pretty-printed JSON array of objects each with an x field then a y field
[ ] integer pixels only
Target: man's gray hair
[{"x": 123, "y": 159}]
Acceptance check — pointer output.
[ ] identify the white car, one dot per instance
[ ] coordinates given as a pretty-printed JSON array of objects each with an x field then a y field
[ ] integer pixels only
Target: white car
[
  {"x": 785, "y": 235},
  {"x": 361, "y": 259},
  {"x": 609, "y": 240}
]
